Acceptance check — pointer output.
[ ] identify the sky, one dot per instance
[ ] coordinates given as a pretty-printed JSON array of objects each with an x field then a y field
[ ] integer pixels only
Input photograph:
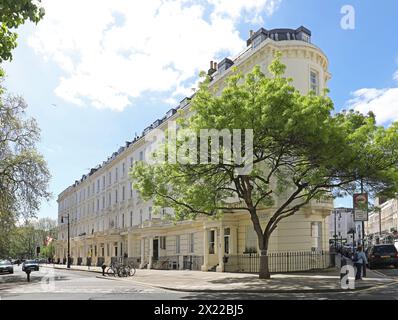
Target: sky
[{"x": 96, "y": 72}]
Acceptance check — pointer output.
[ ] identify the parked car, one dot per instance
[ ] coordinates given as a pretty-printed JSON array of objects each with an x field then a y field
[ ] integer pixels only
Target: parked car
[
  {"x": 381, "y": 255},
  {"x": 32, "y": 265},
  {"x": 6, "y": 266}
]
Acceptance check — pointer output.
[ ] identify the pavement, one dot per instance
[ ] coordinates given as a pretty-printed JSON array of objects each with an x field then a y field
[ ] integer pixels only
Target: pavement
[
  {"x": 60, "y": 283},
  {"x": 221, "y": 282},
  {"x": 56, "y": 284}
]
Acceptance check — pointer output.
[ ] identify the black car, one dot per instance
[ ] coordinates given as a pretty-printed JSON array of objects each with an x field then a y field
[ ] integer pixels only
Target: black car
[
  {"x": 32, "y": 265},
  {"x": 382, "y": 255},
  {"x": 6, "y": 266}
]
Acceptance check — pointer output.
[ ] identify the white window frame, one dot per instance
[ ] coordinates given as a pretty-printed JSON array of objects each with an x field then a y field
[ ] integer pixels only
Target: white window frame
[
  {"x": 191, "y": 237},
  {"x": 227, "y": 235},
  {"x": 212, "y": 241},
  {"x": 178, "y": 244},
  {"x": 162, "y": 243},
  {"x": 314, "y": 86}
]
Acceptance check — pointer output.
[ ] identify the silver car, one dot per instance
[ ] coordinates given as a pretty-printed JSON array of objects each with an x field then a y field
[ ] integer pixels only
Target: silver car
[
  {"x": 6, "y": 266},
  {"x": 32, "y": 265}
]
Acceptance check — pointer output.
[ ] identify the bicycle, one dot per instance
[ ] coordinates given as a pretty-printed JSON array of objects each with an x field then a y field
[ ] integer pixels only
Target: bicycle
[
  {"x": 113, "y": 270},
  {"x": 131, "y": 269},
  {"x": 127, "y": 270},
  {"x": 121, "y": 270}
]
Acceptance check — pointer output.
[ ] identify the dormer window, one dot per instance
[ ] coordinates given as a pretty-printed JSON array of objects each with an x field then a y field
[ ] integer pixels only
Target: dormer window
[
  {"x": 225, "y": 64},
  {"x": 257, "y": 41},
  {"x": 184, "y": 102},
  {"x": 306, "y": 37},
  {"x": 170, "y": 113}
]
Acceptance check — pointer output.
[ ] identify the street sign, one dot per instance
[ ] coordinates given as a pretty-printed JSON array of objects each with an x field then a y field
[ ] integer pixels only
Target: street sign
[{"x": 361, "y": 207}]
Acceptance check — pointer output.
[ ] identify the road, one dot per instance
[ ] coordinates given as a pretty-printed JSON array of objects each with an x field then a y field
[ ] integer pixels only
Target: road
[{"x": 55, "y": 284}]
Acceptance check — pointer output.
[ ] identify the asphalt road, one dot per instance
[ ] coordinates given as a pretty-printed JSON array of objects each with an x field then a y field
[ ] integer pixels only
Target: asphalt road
[{"x": 55, "y": 284}]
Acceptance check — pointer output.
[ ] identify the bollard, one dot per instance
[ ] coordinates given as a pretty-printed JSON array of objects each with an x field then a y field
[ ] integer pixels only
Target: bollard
[{"x": 28, "y": 271}]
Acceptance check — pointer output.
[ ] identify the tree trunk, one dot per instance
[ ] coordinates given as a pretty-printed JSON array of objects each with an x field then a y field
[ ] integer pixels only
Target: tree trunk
[{"x": 264, "y": 269}]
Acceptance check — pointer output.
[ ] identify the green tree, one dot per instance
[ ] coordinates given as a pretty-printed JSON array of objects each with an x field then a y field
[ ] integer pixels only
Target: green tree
[
  {"x": 24, "y": 239},
  {"x": 24, "y": 175},
  {"x": 301, "y": 152},
  {"x": 23, "y": 172},
  {"x": 13, "y": 13}
]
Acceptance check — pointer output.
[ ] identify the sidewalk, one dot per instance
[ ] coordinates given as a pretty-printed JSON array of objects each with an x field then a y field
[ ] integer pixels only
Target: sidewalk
[{"x": 197, "y": 281}]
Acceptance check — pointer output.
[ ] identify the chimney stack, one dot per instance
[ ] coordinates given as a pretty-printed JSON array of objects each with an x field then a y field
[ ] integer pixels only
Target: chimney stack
[
  {"x": 251, "y": 32},
  {"x": 212, "y": 68}
]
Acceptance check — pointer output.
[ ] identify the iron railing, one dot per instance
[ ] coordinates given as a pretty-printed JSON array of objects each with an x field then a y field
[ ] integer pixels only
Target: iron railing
[
  {"x": 281, "y": 261},
  {"x": 100, "y": 261},
  {"x": 133, "y": 261},
  {"x": 192, "y": 262},
  {"x": 162, "y": 263}
]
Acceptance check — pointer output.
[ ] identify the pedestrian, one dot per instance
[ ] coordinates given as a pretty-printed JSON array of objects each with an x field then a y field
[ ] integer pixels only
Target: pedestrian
[{"x": 359, "y": 261}]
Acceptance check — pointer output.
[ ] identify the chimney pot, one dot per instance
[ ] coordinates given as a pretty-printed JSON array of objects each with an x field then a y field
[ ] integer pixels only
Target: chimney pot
[
  {"x": 215, "y": 65},
  {"x": 211, "y": 65},
  {"x": 251, "y": 32}
]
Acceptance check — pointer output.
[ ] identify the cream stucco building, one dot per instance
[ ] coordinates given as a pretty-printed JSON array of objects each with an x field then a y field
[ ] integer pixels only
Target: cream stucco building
[
  {"x": 108, "y": 219},
  {"x": 384, "y": 221}
]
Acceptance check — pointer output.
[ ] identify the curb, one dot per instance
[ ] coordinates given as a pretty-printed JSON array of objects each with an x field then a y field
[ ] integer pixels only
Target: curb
[
  {"x": 248, "y": 291},
  {"x": 72, "y": 269},
  {"x": 367, "y": 287}
]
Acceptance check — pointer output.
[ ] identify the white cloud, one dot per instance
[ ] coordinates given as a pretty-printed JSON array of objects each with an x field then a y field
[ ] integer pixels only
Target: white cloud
[
  {"x": 396, "y": 76},
  {"x": 383, "y": 102},
  {"x": 114, "y": 51},
  {"x": 250, "y": 9}
]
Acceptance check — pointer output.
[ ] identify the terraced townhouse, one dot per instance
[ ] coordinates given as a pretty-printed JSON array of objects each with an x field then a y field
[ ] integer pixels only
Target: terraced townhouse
[{"x": 109, "y": 220}]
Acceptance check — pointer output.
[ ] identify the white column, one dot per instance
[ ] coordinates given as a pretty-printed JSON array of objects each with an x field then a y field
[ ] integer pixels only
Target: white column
[
  {"x": 130, "y": 245},
  {"x": 216, "y": 233},
  {"x": 233, "y": 240},
  {"x": 205, "y": 266},
  {"x": 150, "y": 252},
  {"x": 142, "y": 253},
  {"x": 221, "y": 249},
  {"x": 97, "y": 244},
  {"x": 119, "y": 248}
]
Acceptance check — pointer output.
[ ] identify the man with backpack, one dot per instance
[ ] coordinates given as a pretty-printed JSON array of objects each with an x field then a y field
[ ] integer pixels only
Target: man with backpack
[{"x": 359, "y": 260}]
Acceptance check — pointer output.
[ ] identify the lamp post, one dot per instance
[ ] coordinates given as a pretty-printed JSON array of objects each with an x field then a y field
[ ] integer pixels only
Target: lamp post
[
  {"x": 335, "y": 231},
  {"x": 363, "y": 222},
  {"x": 68, "y": 259}
]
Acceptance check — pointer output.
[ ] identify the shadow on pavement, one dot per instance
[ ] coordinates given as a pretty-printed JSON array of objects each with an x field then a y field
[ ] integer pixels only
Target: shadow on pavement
[
  {"x": 290, "y": 284},
  {"x": 10, "y": 280}
]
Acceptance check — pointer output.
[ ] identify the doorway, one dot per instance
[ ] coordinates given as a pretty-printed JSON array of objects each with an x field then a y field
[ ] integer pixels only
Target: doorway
[{"x": 155, "y": 249}]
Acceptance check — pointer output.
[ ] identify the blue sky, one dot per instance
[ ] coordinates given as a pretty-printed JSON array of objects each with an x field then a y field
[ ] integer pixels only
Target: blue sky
[{"x": 113, "y": 68}]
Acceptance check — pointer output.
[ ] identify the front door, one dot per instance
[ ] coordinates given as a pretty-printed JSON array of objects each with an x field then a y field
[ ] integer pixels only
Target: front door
[{"x": 155, "y": 249}]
